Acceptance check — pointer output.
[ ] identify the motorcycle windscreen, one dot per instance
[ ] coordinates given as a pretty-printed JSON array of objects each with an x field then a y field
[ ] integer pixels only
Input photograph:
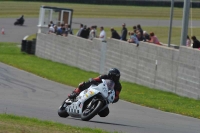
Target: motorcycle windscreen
[{"x": 110, "y": 84}]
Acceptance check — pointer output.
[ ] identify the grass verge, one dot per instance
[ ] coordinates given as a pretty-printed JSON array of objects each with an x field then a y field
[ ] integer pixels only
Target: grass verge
[
  {"x": 31, "y": 9},
  {"x": 16, "y": 124},
  {"x": 10, "y": 54}
]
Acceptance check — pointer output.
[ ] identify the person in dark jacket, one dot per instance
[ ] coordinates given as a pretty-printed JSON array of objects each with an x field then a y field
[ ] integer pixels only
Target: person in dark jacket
[
  {"x": 113, "y": 74},
  {"x": 114, "y": 34},
  {"x": 84, "y": 32},
  {"x": 196, "y": 43},
  {"x": 139, "y": 28},
  {"x": 124, "y": 32},
  {"x": 146, "y": 36}
]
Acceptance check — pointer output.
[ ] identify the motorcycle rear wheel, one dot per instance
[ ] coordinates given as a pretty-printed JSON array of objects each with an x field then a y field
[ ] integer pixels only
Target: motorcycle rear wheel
[{"x": 87, "y": 116}]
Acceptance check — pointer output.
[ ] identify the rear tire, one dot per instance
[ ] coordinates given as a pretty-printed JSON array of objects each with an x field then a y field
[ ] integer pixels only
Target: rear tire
[{"x": 93, "y": 113}]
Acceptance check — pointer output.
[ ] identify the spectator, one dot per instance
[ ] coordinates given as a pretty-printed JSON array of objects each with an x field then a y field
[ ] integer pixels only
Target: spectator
[
  {"x": 70, "y": 31},
  {"x": 134, "y": 28},
  {"x": 153, "y": 39},
  {"x": 55, "y": 29},
  {"x": 80, "y": 30},
  {"x": 196, "y": 43},
  {"x": 188, "y": 41},
  {"x": 59, "y": 30},
  {"x": 51, "y": 23},
  {"x": 102, "y": 35},
  {"x": 84, "y": 32},
  {"x": 92, "y": 33},
  {"x": 139, "y": 35},
  {"x": 141, "y": 32},
  {"x": 88, "y": 32},
  {"x": 146, "y": 36},
  {"x": 133, "y": 38},
  {"x": 95, "y": 30},
  {"x": 114, "y": 34},
  {"x": 63, "y": 29},
  {"x": 66, "y": 30},
  {"x": 135, "y": 32},
  {"x": 51, "y": 29},
  {"x": 123, "y": 32}
]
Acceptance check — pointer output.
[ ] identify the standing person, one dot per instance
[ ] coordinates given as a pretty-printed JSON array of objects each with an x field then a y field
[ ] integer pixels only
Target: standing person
[
  {"x": 95, "y": 30},
  {"x": 196, "y": 43},
  {"x": 141, "y": 31},
  {"x": 88, "y": 32},
  {"x": 70, "y": 30},
  {"x": 92, "y": 33},
  {"x": 188, "y": 41},
  {"x": 146, "y": 36},
  {"x": 123, "y": 32},
  {"x": 84, "y": 32},
  {"x": 113, "y": 74},
  {"x": 80, "y": 30},
  {"x": 102, "y": 35},
  {"x": 114, "y": 34}
]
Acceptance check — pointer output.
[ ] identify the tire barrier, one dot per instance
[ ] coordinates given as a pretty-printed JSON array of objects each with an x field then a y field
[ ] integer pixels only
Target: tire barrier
[
  {"x": 28, "y": 46},
  {"x": 23, "y": 45}
]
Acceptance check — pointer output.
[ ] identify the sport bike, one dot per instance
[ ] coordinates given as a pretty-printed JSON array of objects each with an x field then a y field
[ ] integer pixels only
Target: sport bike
[{"x": 90, "y": 101}]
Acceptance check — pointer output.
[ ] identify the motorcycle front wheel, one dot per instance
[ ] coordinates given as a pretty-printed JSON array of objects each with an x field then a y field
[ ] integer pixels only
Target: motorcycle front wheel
[
  {"x": 62, "y": 112},
  {"x": 89, "y": 113}
]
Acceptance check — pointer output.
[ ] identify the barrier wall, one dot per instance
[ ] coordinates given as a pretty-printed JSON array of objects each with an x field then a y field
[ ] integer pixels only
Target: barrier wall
[{"x": 159, "y": 67}]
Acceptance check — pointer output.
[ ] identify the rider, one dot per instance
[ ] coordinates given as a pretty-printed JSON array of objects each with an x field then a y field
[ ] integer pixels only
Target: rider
[
  {"x": 21, "y": 19},
  {"x": 113, "y": 74}
]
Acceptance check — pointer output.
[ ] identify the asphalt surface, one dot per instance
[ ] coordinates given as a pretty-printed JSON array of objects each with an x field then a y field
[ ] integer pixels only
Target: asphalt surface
[
  {"x": 25, "y": 94},
  {"x": 17, "y": 33}
]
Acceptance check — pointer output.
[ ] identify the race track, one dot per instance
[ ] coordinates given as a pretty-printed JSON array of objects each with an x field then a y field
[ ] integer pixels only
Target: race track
[{"x": 25, "y": 94}]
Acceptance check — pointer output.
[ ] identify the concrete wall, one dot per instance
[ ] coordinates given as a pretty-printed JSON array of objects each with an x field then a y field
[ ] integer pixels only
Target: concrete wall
[{"x": 159, "y": 67}]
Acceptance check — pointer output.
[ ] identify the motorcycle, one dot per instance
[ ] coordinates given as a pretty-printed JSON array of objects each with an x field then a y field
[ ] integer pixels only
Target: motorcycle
[
  {"x": 19, "y": 22},
  {"x": 89, "y": 102}
]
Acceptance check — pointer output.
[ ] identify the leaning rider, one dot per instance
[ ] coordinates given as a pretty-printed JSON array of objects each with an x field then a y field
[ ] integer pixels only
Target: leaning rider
[{"x": 113, "y": 74}]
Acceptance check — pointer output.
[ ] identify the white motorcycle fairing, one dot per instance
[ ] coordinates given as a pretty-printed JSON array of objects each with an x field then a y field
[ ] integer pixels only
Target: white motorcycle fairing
[{"x": 105, "y": 89}]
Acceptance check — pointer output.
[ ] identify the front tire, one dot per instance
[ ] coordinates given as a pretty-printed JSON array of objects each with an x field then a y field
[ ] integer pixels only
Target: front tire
[
  {"x": 85, "y": 116},
  {"x": 61, "y": 111}
]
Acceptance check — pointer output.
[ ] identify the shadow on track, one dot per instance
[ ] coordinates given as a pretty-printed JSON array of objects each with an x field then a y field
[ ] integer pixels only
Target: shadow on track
[{"x": 116, "y": 124}]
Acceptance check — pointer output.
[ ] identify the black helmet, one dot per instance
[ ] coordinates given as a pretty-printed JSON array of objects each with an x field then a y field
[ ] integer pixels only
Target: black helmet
[{"x": 114, "y": 74}]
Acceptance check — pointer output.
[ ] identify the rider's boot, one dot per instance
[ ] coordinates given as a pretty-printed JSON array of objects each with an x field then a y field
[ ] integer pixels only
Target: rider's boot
[{"x": 74, "y": 94}]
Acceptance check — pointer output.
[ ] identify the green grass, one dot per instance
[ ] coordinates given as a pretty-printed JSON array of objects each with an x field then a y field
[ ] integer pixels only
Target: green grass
[
  {"x": 10, "y": 54},
  {"x": 31, "y": 37},
  {"x": 16, "y": 124},
  {"x": 31, "y": 9}
]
